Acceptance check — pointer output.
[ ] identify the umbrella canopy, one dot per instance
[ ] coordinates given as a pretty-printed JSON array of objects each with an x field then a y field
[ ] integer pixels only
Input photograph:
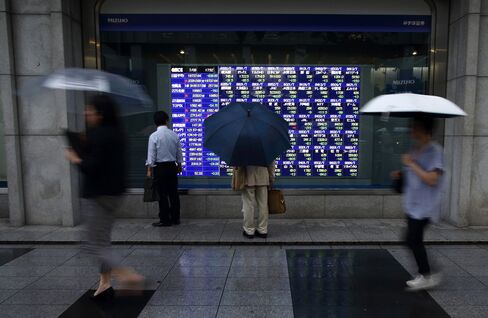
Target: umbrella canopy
[
  {"x": 131, "y": 96},
  {"x": 408, "y": 105},
  {"x": 244, "y": 134}
]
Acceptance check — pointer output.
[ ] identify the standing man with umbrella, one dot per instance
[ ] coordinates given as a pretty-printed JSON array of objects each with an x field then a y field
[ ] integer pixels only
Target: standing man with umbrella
[
  {"x": 254, "y": 191},
  {"x": 423, "y": 171},
  {"x": 250, "y": 137}
]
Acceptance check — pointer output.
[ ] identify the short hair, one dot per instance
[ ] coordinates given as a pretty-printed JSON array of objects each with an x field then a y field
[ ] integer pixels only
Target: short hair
[
  {"x": 426, "y": 123},
  {"x": 160, "y": 118},
  {"x": 106, "y": 107}
]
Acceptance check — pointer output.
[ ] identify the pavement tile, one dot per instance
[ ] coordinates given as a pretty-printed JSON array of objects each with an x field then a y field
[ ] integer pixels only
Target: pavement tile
[
  {"x": 74, "y": 271},
  {"x": 292, "y": 231},
  {"x": 462, "y": 283},
  {"x": 200, "y": 271},
  {"x": 261, "y": 251},
  {"x": 256, "y": 298},
  {"x": 257, "y": 284},
  {"x": 27, "y": 311},
  {"x": 260, "y": 261},
  {"x": 29, "y": 260},
  {"x": 6, "y": 294},
  {"x": 16, "y": 282},
  {"x": 25, "y": 271},
  {"x": 58, "y": 251},
  {"x": 179, "y": 312},
  {"x": 156, "y": 234},
  {"x": 460, "y": 297},
  {"x": 64, "y": 283},
  {"x": 467, "y": 311},
  {"x": 255, "y": 312},
  {"x": 166, "y": 252},
  {"x": 186, "y": 260},
  {"x": 63, "y": 235},
  {"x": 258, "y": 271},
  {"x": 208, "y": 251},
  {"x": 47, "y": 297},
  {"x": 148, "y": 261},
  {"x": 185, "y": 298},
  {"x": 201, "y": 232},
  {"x": 477, "y": 270},
  {"x": 193, "y": 283}
]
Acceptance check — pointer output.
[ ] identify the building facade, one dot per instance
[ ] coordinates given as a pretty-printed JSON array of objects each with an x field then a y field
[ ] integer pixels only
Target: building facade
[{"x": 432, "y": 47}]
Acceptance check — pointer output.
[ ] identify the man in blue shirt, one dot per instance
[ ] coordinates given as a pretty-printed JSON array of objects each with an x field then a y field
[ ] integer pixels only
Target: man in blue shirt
[
  {"x": 423, "y": 175},
  {"x": 164, "y": 159}
]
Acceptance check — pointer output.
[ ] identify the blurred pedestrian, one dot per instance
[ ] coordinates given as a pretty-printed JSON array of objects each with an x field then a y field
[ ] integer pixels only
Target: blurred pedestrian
[
  {"x": 423, "y": 174},
  {"x": 254, "y": 181},
  {"x": 164, "y": 162},
  {"x": 102, "y": 164}
]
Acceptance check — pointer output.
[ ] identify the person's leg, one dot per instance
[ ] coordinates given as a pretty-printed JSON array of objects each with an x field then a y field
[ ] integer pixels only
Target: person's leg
[
  {"x": 262, "y": 200},
  {"x": 174, "y": 197},
  {"x": 415, "y": 241},
  {"x": 110, "y": 265},
  {"x": 99, "y": 222},
  {"x": 248, "y": 199},
  {"x": 162, "y": 184},
  {"x": 105, "y": 283}
]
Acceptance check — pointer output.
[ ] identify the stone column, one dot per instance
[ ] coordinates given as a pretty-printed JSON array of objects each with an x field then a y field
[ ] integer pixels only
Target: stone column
[
  {"x": 466, "y": 139},
  {"x": 40, "y": 37},
  {"x": 10, "y": 116}
]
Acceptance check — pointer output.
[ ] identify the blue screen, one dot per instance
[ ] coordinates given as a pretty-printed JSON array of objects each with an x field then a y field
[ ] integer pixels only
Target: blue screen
[{"x": 320, "y": 103}]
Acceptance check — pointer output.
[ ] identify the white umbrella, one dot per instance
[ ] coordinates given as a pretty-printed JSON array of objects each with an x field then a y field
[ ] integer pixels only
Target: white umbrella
[
  {"x": 408, "y": 105},
  {"x": 131, "y": 96}
]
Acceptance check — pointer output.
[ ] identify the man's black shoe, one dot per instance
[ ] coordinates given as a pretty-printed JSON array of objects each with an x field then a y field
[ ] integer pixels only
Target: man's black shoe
[
  {"x": 249, "y": 236},
  {"x": 176, "y": 222},
  {"x": 159, "y": 224},
  {"x": 261, "y": 235}
]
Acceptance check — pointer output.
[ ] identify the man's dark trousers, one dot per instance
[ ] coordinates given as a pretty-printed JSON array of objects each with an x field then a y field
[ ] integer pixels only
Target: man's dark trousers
[{"x": 166, "y": 175}]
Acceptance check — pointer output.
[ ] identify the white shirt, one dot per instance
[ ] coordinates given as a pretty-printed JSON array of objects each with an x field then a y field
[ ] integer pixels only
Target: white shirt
[{"x": 164, "y": 146}]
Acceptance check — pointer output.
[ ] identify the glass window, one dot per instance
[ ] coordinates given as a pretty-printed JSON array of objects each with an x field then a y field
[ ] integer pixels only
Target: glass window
[{"x": 389, "y": 61}]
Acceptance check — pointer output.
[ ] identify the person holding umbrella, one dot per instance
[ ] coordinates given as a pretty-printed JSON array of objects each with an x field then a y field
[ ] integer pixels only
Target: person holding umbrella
[
  {"x": 423, "y": 176},
  {"x": 256, "y": 181},
  {"x": 102, "y": 164},
  {"x": 250, "y": 137},
  {"x": 423, "y": 173},
  {"x": 100, "y": 156}
]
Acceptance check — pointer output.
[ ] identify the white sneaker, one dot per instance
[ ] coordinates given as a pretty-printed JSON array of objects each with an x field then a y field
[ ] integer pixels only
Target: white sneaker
[
  {"x": 424, "y": 282},
  {"x": 436, "y": 279}
]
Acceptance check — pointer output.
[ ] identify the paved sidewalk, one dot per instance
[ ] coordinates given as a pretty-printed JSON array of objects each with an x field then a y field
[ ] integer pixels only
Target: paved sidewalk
[
  {"x": 229, "y": 231},
  {"x": 222, "y": 281}
]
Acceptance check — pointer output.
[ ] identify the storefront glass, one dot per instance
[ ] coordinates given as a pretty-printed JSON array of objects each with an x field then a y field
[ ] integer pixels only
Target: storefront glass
[{"x": 387, "y": 61}]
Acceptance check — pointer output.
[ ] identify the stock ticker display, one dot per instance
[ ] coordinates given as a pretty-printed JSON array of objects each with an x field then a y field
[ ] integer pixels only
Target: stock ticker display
[{"x": 320, "y": 103}]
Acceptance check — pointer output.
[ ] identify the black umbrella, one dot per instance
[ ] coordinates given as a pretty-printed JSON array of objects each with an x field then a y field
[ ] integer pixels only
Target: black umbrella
[{"x": 245, "y": 134}]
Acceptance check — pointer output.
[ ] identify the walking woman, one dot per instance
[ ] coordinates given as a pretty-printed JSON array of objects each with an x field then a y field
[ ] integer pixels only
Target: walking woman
[{"x": 102, "y": 164}]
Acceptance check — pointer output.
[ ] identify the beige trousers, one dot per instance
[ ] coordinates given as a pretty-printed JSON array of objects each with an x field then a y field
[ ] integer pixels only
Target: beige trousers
[{"x": 250, "y": 197}]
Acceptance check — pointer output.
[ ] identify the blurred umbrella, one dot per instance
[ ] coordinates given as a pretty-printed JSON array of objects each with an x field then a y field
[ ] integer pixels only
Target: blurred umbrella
[
  {"x": 130, "y": 96},
  {"x": 245, "y": 134},
  {"x": 410, "y": 105}
]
